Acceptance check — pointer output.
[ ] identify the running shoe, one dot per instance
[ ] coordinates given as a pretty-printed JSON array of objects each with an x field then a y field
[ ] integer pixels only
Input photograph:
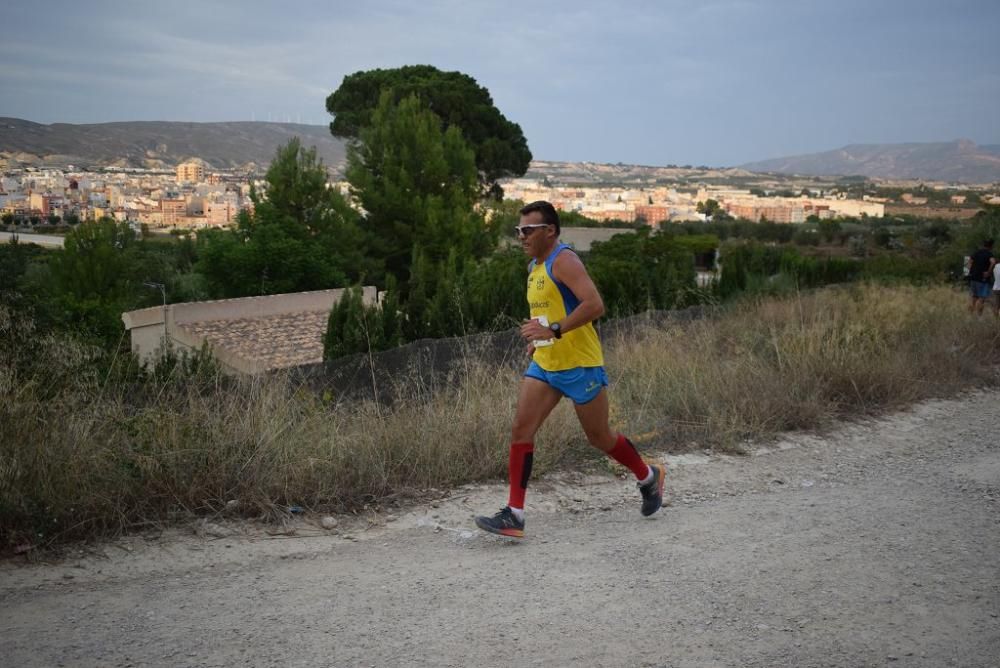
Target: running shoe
[
  {"x": 504, "y": 523},
  {"x": 652, "y": 492}
]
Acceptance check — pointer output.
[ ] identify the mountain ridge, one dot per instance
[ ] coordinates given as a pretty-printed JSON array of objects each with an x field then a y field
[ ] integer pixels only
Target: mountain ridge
[
  {"x": 159, "y": 144},
  {"x": 960, "y": 160}
]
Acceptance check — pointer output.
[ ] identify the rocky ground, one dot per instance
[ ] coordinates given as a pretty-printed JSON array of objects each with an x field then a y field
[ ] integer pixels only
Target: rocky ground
[{"x": 875, "y": 544}]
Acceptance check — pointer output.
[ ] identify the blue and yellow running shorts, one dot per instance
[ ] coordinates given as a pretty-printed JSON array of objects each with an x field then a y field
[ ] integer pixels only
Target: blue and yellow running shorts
[{"x": 581, "y": 384}]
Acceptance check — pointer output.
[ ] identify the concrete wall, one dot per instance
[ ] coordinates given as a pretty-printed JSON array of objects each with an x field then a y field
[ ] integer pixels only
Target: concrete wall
[
  {"x": 148, "y": 326},
  {"x": 48, "y": 240}
]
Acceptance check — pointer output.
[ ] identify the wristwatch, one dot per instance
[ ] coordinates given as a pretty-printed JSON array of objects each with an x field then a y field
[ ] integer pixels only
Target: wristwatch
[{"x": 556, "y": 330}]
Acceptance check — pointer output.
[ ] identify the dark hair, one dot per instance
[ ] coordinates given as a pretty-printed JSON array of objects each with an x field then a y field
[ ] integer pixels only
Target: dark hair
[
  {"x": 549, "y": 214},
  {"x": 988, "y": 243}
]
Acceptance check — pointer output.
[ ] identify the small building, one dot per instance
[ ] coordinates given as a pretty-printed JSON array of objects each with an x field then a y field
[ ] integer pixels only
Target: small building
[{"x": 246, "y": 335}]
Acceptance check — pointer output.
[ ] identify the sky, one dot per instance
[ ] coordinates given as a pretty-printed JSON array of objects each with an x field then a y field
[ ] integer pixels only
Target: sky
[{"x": 648, "y": 82}]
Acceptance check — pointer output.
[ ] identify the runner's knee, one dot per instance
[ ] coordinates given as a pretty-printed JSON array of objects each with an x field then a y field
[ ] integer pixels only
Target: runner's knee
[
  {"x": 523, "y": 430},
  {"x": 601, "y": 438}
]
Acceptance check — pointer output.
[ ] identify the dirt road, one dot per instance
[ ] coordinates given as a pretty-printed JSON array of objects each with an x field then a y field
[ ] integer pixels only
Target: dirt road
[{"x": 877, "y": 544}]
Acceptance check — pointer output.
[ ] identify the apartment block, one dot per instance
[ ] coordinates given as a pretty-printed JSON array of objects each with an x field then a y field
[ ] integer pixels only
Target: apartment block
[
  {"x": 760, "y": 210},
  {"x": 172, "y": 211},
  {"x": 652, "y": 214},
  {"x": 40, "y": 203},
  {"x": 190, "y": 172}
]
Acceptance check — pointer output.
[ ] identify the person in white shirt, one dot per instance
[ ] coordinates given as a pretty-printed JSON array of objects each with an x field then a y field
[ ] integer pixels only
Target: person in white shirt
[{"x": 996, "y": 289}]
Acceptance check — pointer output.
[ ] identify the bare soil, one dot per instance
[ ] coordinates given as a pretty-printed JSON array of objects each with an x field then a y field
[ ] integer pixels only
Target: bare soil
[
  {"x": 875, "y": 544},
  {"x": 926, "y": 211}
]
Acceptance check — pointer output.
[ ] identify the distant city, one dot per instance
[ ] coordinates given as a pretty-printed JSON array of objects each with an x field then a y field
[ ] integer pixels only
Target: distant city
[
  {"x": 190, "y": 197},
  {"x": 194, "y": 196},
  {"x": 657, "y": 205}
]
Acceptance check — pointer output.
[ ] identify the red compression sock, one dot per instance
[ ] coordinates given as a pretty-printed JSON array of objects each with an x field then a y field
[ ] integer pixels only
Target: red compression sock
[
  {"x": 625, "y": 454},
  {"x": 519, "y": 470}
]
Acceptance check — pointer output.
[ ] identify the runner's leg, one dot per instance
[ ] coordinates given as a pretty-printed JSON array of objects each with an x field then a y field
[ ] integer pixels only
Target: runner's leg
[
  {"x": 593, "y": 417},
  {"x": 534, "y": 403}
]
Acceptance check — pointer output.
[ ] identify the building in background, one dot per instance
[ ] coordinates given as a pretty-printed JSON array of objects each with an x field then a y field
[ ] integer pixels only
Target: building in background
[
  {"x": 190, "y": 172},
  {"x": 172, "y": 210},
  {"x": 652, "y": 214}
]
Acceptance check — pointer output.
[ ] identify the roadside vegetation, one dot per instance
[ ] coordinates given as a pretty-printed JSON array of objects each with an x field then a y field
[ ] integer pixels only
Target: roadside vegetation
[{"x": 87, "y": 452}]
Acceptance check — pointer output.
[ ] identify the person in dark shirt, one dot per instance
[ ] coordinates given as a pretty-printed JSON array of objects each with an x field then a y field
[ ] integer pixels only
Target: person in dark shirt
[{"x": 981, "y": 276}]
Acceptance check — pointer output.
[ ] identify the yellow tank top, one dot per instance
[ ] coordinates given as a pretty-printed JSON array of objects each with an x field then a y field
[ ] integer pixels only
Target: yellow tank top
[{"x": 549, "y": 298}]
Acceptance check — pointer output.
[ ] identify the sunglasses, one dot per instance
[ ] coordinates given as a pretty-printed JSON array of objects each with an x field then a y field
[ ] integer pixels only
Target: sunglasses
[{"x": 524, "y": 231}]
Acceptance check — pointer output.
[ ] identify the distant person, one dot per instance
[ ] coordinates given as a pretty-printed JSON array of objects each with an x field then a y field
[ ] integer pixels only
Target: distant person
[
  {"x": 996, "y": 288},
  {"x": 981, "y": 282},
  {"x": 567, "y": 361}
]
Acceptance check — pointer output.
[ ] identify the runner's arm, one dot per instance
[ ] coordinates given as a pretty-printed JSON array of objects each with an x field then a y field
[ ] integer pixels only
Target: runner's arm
[{"x": 569, "y": 270}]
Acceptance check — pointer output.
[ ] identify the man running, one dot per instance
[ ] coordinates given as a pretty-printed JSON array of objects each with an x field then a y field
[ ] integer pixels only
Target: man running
[{"x": 567, "y": 361}]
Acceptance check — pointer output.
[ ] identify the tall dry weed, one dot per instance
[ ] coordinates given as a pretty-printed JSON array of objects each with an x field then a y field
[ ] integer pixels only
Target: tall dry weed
[{"x": 782, "y": 364}]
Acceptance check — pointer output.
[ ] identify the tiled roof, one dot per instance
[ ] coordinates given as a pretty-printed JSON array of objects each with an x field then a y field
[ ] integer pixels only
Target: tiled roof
[{"x": 273, "y": 342}]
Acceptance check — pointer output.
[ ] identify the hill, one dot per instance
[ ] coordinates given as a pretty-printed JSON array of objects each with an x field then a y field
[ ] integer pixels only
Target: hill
[
  {"x": 157, "y": 144},
  {"x": 960, "y": 160}
]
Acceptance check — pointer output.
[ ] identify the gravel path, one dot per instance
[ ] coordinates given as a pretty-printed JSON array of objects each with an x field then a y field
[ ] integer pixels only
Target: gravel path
[{"x": 875, "y": 544}]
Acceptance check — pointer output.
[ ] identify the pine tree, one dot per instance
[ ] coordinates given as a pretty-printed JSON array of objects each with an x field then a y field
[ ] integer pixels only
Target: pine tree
[
  {"x": 417, "y": 184},
  {"x": 392, "y": 320},
  {"x": 346, "y": 329}
]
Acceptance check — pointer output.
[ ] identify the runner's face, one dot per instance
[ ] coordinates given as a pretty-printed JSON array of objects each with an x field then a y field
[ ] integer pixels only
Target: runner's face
[{"x": 534, "y": 236}]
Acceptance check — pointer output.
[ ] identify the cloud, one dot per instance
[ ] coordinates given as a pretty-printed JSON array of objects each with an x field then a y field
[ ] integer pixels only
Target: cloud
[{"x": 710, "y": 81}]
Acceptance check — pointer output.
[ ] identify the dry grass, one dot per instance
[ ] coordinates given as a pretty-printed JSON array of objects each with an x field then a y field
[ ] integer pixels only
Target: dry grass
[
  {"x": 80, "y": 457},
  {"x": 94, "y": 460},
  {"x": 797, "y": 363}
]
